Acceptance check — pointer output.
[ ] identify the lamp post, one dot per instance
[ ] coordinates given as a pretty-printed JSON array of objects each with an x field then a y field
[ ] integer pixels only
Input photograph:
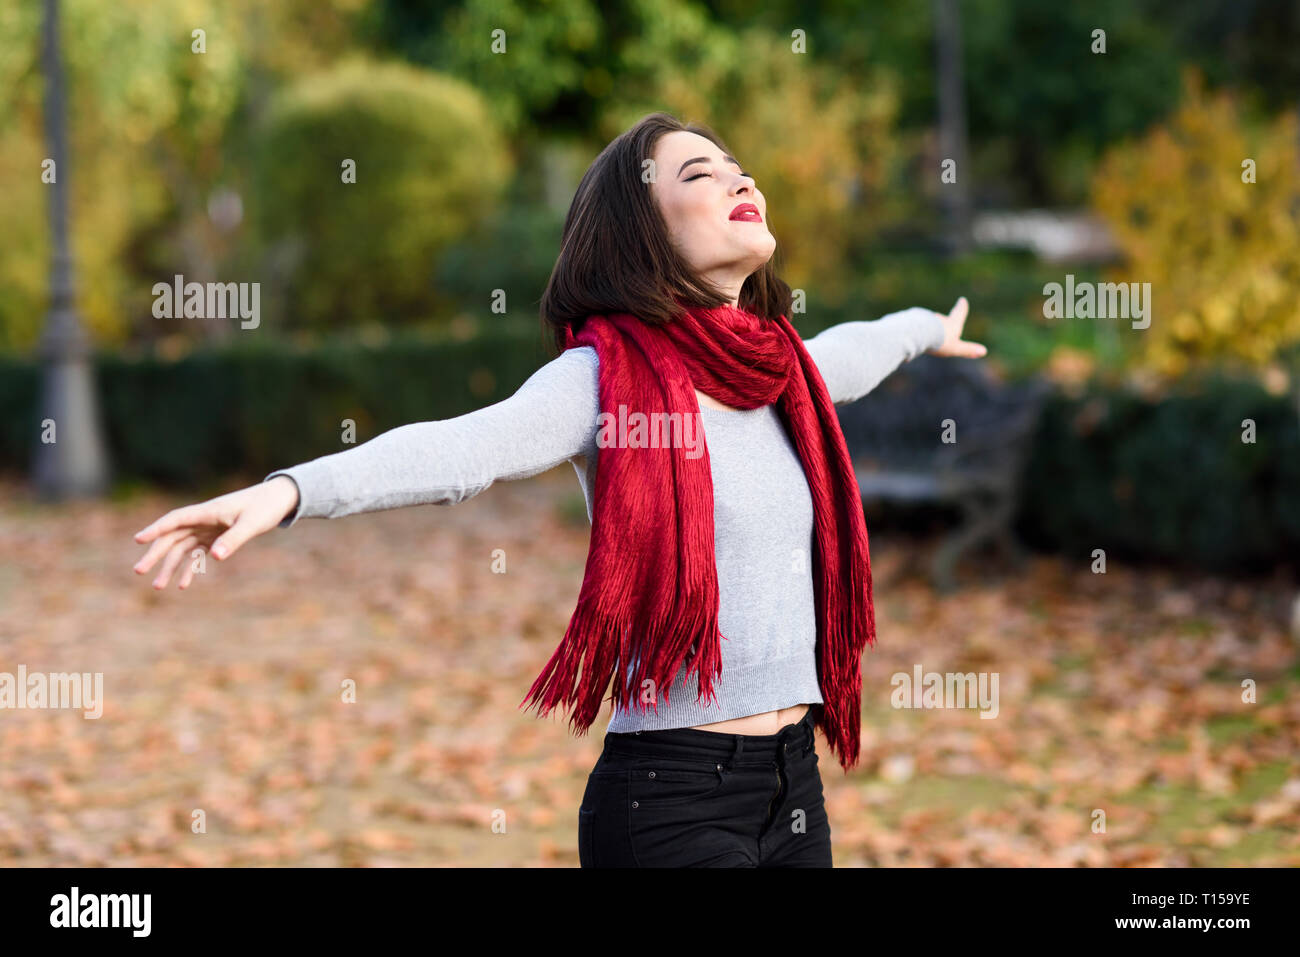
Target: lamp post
[{"x": 70, "y": 456}]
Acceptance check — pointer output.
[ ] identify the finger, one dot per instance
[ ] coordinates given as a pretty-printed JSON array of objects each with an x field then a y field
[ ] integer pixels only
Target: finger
[
  {"x": 972, "y": 350},
  {"x": 158, "y": 549},
  {"x": 231, "y": 540},
  {"x": 187, "y": 575},
  {"x": 960, "y": 310},
  {"x": 202, "y": 513},
  {"x": 173, "y": 559}
]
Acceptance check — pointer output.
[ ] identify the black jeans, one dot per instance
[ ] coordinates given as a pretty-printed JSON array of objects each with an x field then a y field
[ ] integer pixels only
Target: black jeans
[{"x": 691, "y": 798}]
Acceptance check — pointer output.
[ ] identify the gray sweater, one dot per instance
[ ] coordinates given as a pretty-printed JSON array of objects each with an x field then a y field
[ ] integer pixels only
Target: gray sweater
[{"x": 762, "y": 513}]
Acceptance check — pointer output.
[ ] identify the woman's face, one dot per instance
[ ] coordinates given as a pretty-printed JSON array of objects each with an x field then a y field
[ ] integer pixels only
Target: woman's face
[{"x": 709, "y": 204}]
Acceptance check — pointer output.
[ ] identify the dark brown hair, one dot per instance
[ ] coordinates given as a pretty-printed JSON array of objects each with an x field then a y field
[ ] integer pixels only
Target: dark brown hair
[{"x": 615, "y": 254}]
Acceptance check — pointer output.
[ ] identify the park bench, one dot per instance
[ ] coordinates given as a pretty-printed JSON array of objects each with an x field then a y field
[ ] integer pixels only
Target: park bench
[{"x": 895, "y": 436}]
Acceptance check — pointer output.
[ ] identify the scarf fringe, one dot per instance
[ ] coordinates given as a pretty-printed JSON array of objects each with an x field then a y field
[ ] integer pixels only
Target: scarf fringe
[
  {"x": 598, "y": 643},
  {"x": 839, "y": 669}
]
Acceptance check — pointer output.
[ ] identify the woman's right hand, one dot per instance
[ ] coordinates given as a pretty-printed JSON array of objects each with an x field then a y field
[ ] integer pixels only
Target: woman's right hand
[{"x": 224, "y": 523}]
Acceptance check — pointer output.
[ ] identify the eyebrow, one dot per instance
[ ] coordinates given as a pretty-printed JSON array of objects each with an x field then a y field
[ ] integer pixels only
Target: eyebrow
[{"x": 704, "y": 159}]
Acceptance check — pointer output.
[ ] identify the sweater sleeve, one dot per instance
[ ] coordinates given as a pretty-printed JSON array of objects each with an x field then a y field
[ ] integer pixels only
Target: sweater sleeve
[
  {"x": 854, "y": 357},
  {"x": 551, "y": 418}
]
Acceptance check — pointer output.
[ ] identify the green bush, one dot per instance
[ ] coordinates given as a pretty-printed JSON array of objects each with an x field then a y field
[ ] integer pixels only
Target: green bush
[
  {"x": 257, "y": 407},
  {"x": 1169, "y": 480},
  {"x": 431, "y": 167}
]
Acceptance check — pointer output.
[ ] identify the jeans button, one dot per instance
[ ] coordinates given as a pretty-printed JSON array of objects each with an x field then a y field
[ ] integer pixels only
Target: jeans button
[
  {"x": 652, "y": 774},
  {"x": 635, "y": 804}
]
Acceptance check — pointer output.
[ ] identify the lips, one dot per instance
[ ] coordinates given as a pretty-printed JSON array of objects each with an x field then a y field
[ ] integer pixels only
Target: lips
[{"x": 747, "y": 213}]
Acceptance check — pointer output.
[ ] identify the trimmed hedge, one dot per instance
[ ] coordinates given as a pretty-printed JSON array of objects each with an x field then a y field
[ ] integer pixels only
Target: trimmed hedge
[
  {"x": 1168, "y": 480},
  {"x": 265, "y": 406}
]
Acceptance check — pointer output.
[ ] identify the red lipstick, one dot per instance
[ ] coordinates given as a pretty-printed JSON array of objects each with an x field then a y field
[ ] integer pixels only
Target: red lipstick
[{"x": 746, "y": 212}]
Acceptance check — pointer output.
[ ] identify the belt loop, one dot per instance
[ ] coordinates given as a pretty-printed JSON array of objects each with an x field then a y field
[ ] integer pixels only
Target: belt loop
[{"x": 740, "y": 747}]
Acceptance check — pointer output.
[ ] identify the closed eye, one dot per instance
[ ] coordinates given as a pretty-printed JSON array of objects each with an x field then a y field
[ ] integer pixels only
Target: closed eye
[{"x": 698, "y": 175}]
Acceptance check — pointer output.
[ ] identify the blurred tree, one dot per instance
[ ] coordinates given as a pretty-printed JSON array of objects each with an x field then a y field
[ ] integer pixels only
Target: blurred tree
[
  {"x": 822, "y": 147},
  {"x": 1222, "y": 255},
  {"x": 1248, "y": 44},
  {"x": 430, "y": 165},
  {"x": 122, "y": 109},
  {"x": 535, "y": 61},
  {"x": 156, "y": 138},
  {"x": 1049, "y": 104},
  {"x": 1041, "y": 105}
]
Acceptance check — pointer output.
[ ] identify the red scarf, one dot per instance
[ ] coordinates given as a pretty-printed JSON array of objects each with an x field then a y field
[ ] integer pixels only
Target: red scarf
[{"x": 651, "y": 584}]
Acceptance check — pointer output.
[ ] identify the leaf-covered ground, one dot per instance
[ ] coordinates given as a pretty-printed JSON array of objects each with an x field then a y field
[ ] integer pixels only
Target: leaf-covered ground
[{"x": 1118, "y": 693}]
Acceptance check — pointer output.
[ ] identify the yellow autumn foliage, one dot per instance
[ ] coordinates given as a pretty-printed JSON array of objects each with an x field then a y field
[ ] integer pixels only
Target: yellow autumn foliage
[{"x": 1209, "y": 214}]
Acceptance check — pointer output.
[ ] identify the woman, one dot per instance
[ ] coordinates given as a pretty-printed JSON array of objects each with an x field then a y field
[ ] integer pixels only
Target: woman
[{"x": 727, "y": 593}]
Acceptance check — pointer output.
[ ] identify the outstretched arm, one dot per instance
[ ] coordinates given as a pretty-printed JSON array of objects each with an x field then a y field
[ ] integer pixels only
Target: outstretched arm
[
  {"x": 855, "y": 357},
  {"x": 550, "y": 419}
]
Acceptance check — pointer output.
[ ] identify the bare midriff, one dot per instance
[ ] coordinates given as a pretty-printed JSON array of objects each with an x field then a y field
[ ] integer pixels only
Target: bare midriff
[{"x": 769, "y": 722}]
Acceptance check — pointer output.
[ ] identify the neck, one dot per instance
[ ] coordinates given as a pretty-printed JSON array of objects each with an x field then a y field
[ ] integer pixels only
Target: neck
[{"x": 729, "y": 284}]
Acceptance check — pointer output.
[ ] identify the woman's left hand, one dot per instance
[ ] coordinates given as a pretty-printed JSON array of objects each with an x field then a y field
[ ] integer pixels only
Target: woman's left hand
[{"x": 953, "y": 343}]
